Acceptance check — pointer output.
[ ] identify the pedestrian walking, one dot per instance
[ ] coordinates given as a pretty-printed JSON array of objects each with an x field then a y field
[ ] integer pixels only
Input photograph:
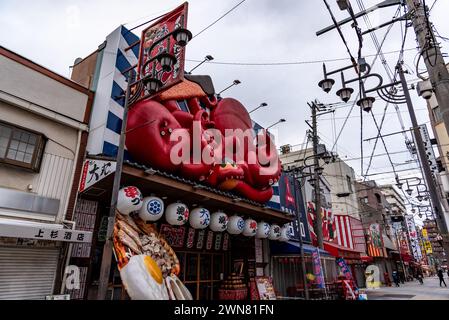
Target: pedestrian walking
[
  {"x": 441, "y": 276},
  {"x": 420, "y": 276},
  {"x": 396, "y": 279}
]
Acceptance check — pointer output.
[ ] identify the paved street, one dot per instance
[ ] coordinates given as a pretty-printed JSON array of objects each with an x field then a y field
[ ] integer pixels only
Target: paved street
[{"x": 412, "y": 291}]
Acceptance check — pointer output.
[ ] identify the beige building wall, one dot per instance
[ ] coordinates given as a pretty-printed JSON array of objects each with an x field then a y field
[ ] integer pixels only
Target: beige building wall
[
  {"x": 341, "y": 178},
  {"x": 35, "y": 101}
]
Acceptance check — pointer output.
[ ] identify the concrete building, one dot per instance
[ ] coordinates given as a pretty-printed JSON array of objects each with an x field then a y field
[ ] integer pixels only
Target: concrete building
[
  {"x": 374, "y": 214},
  {"x": 339, "y": 175},
  {"x": 43, "y": 135},
  {"x": 436, "y": 254}
]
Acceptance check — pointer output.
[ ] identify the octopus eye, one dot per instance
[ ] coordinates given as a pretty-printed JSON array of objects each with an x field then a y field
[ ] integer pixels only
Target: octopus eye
[{"x": 223, "y": 165}]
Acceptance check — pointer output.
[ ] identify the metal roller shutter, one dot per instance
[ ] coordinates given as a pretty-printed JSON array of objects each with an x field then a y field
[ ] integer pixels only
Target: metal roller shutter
[{"x": 27, "y": 273}]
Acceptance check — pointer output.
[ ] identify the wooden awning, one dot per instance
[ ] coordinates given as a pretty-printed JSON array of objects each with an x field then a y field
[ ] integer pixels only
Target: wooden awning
[{"x": 173, "y": 190}]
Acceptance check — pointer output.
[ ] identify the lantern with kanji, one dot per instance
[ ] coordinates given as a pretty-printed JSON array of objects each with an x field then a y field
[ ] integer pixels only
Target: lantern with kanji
[
  {"x": 199, "y": 218},
  {"x": 177, "y": 214},
  {"x": 250, "y": 228},
  {"x": 275, "y": 232},
  {"x": 129, "y": 200},
  {"x": 263, "y": 230},
  {"x": 219, "y": 221}
]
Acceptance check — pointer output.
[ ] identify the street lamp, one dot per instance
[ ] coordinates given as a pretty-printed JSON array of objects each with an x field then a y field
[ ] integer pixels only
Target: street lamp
[
  {"x": 366, "y": 103},
  {"x": 319, "y": 170},
  {"x": 234, "y": 83},
  {"x": 275, "y": 124},
  {"x": 262, "y": 105},
  {"x": 327, "y": 158},
  {"x": 206, "y": 59},
  {"x": 182, "y": 36}
]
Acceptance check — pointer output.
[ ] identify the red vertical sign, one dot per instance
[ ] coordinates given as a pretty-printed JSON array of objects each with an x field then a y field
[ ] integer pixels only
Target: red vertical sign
[{"x": 151, "y": 39}]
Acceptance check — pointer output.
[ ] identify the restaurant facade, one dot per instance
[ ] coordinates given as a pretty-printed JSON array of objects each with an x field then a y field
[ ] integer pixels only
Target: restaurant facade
[{"x": 231, "y": 263}]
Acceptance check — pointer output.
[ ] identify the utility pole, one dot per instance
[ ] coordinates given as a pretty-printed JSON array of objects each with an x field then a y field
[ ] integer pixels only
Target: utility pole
[
  {"x": 431, "y": 185},
  {"x": 301, "y": 243},
  {"x": 318, "y": 225},
  {"x": 436, "y": 67},
  {"x": 108, "y": 245}
]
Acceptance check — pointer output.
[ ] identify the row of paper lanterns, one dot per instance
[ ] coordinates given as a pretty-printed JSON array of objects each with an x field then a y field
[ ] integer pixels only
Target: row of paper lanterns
[{"x": 151, "y": 209}]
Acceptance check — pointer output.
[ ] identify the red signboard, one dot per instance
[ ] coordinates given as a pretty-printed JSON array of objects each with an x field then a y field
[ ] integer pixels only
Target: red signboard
[
  {"x": 173, "y": 235},
  {"x": 151, "y": 45}
]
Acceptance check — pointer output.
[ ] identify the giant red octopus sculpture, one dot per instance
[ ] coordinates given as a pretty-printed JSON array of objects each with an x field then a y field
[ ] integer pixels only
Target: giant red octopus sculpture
[{"x": 152, "y": 124}]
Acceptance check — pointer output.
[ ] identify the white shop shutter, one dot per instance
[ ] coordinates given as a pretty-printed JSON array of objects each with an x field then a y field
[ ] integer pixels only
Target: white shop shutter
[{"x": 27, "y": 273}]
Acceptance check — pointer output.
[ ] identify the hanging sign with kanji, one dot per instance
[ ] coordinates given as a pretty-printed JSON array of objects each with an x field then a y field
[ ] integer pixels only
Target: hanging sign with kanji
[{"x": 95, "y": 171}]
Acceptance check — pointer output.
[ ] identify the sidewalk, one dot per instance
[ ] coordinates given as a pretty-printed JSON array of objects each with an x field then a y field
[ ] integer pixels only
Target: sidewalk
[{"x": 431, "y": 290}]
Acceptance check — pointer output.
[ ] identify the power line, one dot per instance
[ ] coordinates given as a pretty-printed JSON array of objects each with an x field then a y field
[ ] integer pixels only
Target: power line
[
  {"x": 221, "y": 17},
  {"x": 286, "y": 63}
]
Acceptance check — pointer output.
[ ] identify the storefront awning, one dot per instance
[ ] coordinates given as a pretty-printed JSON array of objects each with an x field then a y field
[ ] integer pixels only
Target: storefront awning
[
  {"x": 292, "y": 247},
  {"x": 42, "y": 231},
  {"x": 172, "y": 188}
]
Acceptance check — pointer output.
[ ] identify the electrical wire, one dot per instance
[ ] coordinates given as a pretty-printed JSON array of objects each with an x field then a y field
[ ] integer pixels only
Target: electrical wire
[
  {"x": 221, "y": 17},
  {"x": 286, "y": 63}
]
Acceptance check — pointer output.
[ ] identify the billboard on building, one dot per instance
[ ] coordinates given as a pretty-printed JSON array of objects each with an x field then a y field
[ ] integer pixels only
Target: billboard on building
[
  {"x": 328, "y": 219},
  {"x": 285, "y": 192},
  {"x": 413, "y": 236},
  {"x": 155, "y": 40}
]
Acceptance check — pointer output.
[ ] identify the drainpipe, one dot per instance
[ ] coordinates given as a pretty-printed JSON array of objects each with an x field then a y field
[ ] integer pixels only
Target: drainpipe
[{"x": 73, "y": 223}]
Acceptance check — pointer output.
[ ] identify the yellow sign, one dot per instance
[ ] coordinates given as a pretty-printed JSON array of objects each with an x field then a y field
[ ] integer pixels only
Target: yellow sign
[
  {"x": 424, "y": 233},
  {"x": 428, "y": 247}
]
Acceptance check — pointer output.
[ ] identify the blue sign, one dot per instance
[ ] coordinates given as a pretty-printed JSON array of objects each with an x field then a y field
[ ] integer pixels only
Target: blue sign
[{"x": 317, "y": 270}]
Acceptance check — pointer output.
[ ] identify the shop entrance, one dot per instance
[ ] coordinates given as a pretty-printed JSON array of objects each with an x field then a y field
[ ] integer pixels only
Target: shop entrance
[{"x": 202, "y": 272}]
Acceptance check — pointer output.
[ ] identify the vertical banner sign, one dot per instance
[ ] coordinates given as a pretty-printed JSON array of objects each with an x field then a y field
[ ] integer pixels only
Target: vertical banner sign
[
  {"x": 426, "y": 243},
  {"x": 200, "y": 239},
  {"x": 430, "y": 154},
  {"x": 210, "y": 240},
  {"x": 218, "y": 241},
  {"x": 414, "y": 242},
  {"x": 155, "y": 40},
  {"x": 328, "y": 218},
  {"x": 376, "y": 239},
  {"x": 344, "y": 268},
  {"x": 317, "y": 270},
  {"x": 225, "y": 242},
  {"x": 288, "y": 187},
  {"x": 190, "y": 238}
]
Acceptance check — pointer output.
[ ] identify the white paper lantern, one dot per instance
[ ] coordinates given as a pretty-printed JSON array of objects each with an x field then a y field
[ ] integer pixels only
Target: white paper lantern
[
  {"x": 199, "y": 218},
  {"x": 285, "y": 233},
  {"x": 129, "y": 200},
  {"x": 152, "y": 209},
  {"x": 177, "y": 214},
  {"x": 275, "y": 232},
  {"x": 250, "y": 228},
  {"x": 236, "y": 225},
  {"x": 263, "y": 230},
  {"x": 218, "y": 221}
]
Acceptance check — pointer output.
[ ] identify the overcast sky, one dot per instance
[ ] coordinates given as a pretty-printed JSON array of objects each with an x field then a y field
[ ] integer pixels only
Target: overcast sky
[{"x": 54, "y": 33}]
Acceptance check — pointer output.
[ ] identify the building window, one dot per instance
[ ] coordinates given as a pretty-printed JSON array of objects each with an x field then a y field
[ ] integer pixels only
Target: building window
[
  {"x": 20, "y": 147},
  {"x": 378, "y": 198},
  {"x": 348, "y": 179}
]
